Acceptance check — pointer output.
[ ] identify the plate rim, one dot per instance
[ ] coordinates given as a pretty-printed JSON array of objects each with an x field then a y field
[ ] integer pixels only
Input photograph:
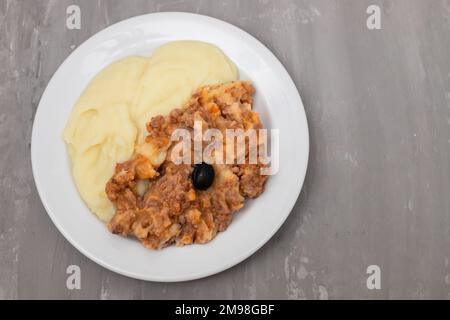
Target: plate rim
[{"x": 230, "y": 263}]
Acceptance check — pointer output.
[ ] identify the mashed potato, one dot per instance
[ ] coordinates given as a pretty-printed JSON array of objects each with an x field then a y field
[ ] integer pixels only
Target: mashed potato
[{"x": 107, "y": 123}]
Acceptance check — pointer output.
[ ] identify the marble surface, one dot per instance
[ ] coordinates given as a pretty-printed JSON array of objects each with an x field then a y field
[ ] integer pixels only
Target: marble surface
[{"x": 377, "y": 190}]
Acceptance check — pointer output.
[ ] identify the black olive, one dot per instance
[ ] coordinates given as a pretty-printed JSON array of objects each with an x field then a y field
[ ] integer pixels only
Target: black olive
[{"x": 202, "y": 176}]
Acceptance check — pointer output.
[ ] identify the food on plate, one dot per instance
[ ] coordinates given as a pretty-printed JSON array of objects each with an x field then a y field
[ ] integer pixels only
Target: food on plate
[
  {"x": 126, "y": 163},
  {"x": 161, "y": 202},
  {"x": 108, "y": 122}
]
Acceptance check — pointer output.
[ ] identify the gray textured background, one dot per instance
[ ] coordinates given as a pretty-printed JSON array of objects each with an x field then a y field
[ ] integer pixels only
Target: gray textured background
[{"x": 377, "y": 188}]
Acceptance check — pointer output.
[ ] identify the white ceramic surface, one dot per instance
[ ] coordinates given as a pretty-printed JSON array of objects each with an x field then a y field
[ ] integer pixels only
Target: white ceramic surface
[{"x": 277, "y": 100}]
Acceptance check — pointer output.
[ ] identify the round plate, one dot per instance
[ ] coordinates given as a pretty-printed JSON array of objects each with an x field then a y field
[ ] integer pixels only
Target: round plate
[{"x": 277, "y": 100}]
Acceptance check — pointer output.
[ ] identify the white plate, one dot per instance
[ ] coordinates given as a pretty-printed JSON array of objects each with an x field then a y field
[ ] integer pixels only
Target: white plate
[{"x": 277, "y": 100}]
